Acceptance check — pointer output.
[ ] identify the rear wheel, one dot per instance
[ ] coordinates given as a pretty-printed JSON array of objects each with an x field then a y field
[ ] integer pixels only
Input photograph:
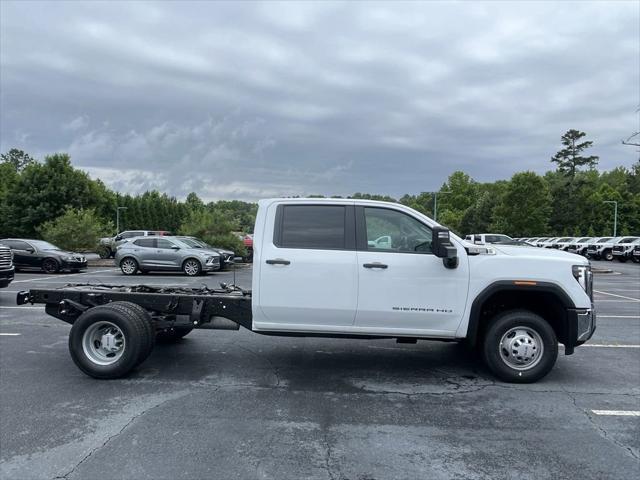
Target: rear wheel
[
  {"x": 191, "y": 267},
  {"x": 129, "y": 266},
  {"x": 134, "y": 309},
  {"x": 50, "y": 265},
  {"x": 173, "y": 334},
  {"x": 520, "y": 347},
  {"x": 105, "y": 252},
  {"x": 108, "y": 342}
]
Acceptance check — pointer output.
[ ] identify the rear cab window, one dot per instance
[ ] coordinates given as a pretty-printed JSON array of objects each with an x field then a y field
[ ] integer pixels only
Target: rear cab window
[{"x": 320, "y": 227}]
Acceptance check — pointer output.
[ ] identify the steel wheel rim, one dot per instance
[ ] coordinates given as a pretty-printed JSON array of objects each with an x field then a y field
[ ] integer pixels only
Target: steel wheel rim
[
  {"x": 128, "y": 266},
  {"x": 191, "y": 267},
  {"x": 521, "y": 348},
  {"x": 49, "y": 266},
  {"x": 103, "y": 343}
]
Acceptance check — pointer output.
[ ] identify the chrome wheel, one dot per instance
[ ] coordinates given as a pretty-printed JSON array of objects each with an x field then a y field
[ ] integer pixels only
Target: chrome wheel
[
  {"x": 521, "y": 348},
  {"x": 103, "y": 343},
  {"x": 128, "y": 266},
  {"x": 191, "y": 267}
]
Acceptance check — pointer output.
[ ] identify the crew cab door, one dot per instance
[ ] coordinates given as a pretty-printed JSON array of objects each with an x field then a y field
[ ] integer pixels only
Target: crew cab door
[
  {"x": 404, "y": 288},
  {"x": 306, "y": 269}
]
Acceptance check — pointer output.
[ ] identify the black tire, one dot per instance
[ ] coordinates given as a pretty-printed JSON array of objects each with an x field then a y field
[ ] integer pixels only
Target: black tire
[
  {"x": 105, "y": 252},
  {"x": 134, "y": 335},
  {"x": 129, "y": 266},
  {"x": 173, "y": 334},
  {"x": 635, "y": 259},
  {"x": 192, "y": 267},
  {"x": 134, "y": 309},
  {"x": 608, "y": 255},
  {"x": 50, "y": 265},
  {"x": 529, "y": 325}
]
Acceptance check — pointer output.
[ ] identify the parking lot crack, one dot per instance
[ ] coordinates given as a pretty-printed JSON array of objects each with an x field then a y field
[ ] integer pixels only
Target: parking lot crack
[
  {"x": 603, "y": 432},
  {"x": 130, "y": 422}
]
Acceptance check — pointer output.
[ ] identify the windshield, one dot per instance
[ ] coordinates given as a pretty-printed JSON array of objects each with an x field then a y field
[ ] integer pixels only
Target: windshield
[
  {"x": 42, "y": 245},
  {"x": 604, "y": 240},
  {"x": 190, "y": 242},
  {"x": 497, "y": 238},
  {"x": 627, "y": 240},
  {"x": 584, "y": 239}
]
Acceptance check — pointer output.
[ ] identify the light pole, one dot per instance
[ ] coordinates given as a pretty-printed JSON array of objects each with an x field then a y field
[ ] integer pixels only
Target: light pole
[
  {"x": 118, "y": 218},
  {"x": 615, "y": 215},
  {"x": 435, "y": 204}
]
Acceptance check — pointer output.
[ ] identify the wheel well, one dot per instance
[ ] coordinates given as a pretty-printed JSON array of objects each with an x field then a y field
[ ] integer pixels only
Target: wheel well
[
  {"x": 128, "y": 257},
  {"x": 548, "y": 304},
  {"x": 191, "y": 258}
]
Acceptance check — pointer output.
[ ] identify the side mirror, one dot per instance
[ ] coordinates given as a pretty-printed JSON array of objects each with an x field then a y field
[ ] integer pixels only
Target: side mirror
[
  {"x": 443, "y": 248},
  {"x": 118, "y": 238},
  {"x": 30, "y": 250}
]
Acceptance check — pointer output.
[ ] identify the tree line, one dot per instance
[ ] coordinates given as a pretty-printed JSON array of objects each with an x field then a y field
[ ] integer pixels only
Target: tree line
[{"x": 51, "y": 199}]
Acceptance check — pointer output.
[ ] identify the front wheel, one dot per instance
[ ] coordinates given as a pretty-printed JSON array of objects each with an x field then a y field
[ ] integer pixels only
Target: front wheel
[
  {"x": 608, "y": 256},
  {"x": 191, "y": 267},
  {"x": 50, "y": 265},
  {"x": 520, "y": 347},
  {"x": 129, "y": 266}
]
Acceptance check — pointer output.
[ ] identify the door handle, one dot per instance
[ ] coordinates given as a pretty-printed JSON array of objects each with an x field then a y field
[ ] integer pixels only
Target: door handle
[
  {"x": 375, "y": 265},
  {"x": 278, "y": 261}
]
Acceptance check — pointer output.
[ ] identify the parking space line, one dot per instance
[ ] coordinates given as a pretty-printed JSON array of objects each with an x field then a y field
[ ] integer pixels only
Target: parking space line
[
  {"x": 619, "y": 296},
  {"x": 613, "y": 345},
  {"x": 9, "y": 334},
  {"x": 622, "y": 413},
  {"x": 25, "y": 307},
  {"x": 617, "y": 316},
  {"x": 92, "y": 272}
]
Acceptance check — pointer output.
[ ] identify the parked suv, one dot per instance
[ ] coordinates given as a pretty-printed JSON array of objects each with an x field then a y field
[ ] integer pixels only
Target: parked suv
[
  {"x": 579, "y": 245},
  {"x": 602, "y": 249},
  {"x": 41, "y": 255},
  {"x": 623, "y": 250},
  {"x": 149, "y": 253},
  {"x": 7, "y": 269},
  {"x": 109, "y": 245},
  {"x": 562, "y": 243},
  {"x": 226, "y": 256}
]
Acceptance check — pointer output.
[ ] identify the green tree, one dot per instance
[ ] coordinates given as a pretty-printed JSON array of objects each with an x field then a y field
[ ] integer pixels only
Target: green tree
[
  {"x": 17, "y": 158},
  {"x": 570, "y": 158},
  {"x": 212, "y": 227},
  {"x": 44, "y": 191},
  {"x": 76, "y": 230},
  {"x": 524, "y": 207}
]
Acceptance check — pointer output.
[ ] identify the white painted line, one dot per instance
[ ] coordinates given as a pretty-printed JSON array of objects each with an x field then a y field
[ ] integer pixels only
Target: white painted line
[
  {"x": 612, "y": 345},
  {"x": 619, "y": 296},
  {"x": 25, "y": 307},
  {"x": 9, "y": 334},
  {"x": 621, "y": 413},
  {"x": 66, "y": 275},
  {"x": 601, "y": 300},
  {"x": 617, "y": 316}
]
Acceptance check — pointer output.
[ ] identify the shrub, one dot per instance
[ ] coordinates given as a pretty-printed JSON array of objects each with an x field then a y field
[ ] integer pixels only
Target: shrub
[{"x": 76, "y": 229}]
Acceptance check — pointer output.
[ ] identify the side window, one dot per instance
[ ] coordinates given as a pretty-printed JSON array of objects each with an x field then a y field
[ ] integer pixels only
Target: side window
[
  {"x": 145, "y": 242},
  {"x": 151, "y": 233},
  {"x": 16, "y": 244},
  {"x": 163, "y": 243},
  {"x": 394, "y": 231},
  {"x": 319, "y": 227}
]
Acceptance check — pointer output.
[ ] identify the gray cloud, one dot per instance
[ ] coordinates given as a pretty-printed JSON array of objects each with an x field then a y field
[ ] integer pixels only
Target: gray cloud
[{"x": 245, "y": 100}]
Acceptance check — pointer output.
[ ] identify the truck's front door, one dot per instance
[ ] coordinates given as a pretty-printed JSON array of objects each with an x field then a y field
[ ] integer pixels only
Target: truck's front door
[
  {"x": 403, "y": 287},
  {"x": 308, "y": 278}
]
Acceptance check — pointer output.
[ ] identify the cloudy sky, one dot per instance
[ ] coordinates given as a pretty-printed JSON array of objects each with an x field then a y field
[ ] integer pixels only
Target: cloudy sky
[{"x": 248, "y": 100}]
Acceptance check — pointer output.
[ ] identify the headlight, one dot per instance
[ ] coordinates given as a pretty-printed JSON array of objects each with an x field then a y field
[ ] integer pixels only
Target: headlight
[
  {"x": 69, "y": 258},
  {"x": 584, "y": 276}
]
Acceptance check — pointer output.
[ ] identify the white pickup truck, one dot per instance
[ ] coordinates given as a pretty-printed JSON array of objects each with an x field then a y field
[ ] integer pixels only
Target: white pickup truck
[{"x": 320, "y": 269}]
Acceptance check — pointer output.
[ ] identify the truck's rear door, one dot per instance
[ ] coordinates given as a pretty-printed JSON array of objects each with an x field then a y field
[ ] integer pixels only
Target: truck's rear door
[{"x": 306, "y": 267}]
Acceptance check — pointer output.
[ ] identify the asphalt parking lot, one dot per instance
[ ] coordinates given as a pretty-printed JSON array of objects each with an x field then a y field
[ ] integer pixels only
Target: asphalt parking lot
[{"x": 227, "y": 404}]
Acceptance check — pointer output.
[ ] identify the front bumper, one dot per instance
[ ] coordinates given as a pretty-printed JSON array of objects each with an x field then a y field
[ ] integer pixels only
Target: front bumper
[
  {"x": 73, "y": 264},
  {"x": 582, "y": 325},
  {"x": 6, "y": 276},
  {"x": 211, "y": 264}
]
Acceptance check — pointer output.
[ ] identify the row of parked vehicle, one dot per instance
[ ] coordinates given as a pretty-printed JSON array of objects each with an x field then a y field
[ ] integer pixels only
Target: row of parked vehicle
[{"x": 598, "y": 248}]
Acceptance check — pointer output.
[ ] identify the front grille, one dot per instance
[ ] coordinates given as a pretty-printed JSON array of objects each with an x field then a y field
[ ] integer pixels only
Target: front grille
[
  {"x": 618, "y": 249},
  {"x": 5, "y": 258}
]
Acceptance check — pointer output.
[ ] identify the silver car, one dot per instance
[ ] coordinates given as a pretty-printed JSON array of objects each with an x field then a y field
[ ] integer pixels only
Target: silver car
[
  {"x": 226, "y": 256},
  {"x": 146, "y": 254}
]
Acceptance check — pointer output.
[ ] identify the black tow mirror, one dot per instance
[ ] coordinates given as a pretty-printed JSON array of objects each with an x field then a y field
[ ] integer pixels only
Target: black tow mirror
[{"x": 443, "y": 248}]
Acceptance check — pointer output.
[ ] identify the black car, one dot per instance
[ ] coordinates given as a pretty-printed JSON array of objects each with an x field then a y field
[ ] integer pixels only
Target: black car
[{"x": 41, "y": 255}]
